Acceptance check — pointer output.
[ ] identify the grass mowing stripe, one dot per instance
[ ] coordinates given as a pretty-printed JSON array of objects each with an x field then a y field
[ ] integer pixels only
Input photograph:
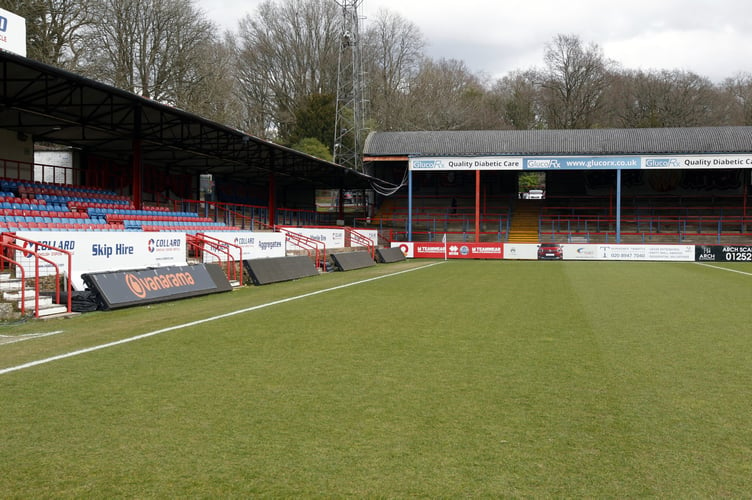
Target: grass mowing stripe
[
  {"x": 674, "y": 342},
  {"x": 198, "y": 322}
]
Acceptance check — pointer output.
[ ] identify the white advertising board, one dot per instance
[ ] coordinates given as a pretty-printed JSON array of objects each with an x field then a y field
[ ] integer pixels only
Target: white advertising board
[
  {"x": 521, "y": 251},
  {"x": 12, "y": 33},
  {"x": 406, "y": 247},
  {"x": 371, "y": 234},
  {"x": 102, "y": 251},
  {"x": 254, "y": 244},
  {"x": 671, "y": 253},
  {"x": 332, "y": 238}
]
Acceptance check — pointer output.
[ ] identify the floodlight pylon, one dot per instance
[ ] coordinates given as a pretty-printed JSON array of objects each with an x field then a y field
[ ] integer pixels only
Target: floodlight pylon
[{"x": 349, "y": 120}]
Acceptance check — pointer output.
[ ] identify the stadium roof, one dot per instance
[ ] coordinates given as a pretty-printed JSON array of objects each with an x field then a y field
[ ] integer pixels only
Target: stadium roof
[
  {"x": 50, "y": 104},
  {"x": 690, "y": 140}
]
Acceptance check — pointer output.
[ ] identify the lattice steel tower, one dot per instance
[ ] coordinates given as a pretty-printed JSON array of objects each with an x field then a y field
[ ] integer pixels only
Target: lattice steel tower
[{"x": 349, "y": 120}]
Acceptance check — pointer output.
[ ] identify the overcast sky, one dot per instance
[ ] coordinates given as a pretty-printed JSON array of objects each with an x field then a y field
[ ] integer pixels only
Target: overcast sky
[{"x": 712, "y": 38}]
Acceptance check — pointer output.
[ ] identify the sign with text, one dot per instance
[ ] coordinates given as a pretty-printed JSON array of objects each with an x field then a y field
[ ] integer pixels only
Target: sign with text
[
  {"x": 332, "y": 238},
  {"x": 697, "y": 161},
  {"x": 669, "y": 253},
  {"x": 12, "y": 33},
  {"x": 143, "y": 286},
  {"x": 582, "y": 163},
  {"x": 254, "y": 244},
  {"x": 707, "y": 161},
  {"x": 454, "y": 250},
  {"x": 102, "y": 251},
  {"x": 467, "y": 163},
  {"x": 723, "y": 253},
  {"x": 368, "y": 234}
]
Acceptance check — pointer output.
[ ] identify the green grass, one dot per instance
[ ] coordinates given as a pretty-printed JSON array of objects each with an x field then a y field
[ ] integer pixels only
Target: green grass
[{"x": 465, "y": 379}]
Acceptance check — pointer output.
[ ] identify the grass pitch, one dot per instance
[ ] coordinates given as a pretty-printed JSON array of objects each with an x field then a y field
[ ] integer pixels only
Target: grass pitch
[{"x": 464, "y": 379}]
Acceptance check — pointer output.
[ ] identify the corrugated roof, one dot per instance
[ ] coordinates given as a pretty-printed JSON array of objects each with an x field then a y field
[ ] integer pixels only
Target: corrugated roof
[{"x": 690, "y": 140}]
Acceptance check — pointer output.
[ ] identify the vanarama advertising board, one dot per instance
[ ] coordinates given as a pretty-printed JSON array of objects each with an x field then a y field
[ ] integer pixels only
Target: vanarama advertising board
[{"x": 142, "y": 286}]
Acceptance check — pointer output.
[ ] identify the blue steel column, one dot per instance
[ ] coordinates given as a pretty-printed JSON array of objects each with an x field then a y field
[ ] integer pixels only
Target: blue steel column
[
  {"x": 618, "y": 205},
  {"x": 409, "y": 204}
]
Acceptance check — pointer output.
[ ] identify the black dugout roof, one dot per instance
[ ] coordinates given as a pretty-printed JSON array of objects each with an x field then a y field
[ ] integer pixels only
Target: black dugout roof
[{"x": 50, "y": 104}]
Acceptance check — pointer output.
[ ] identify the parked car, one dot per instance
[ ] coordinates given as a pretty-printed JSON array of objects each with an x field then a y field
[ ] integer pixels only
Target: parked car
[
  {"x": 550, "y": 251},
  {"x": 535, "y": 194}
]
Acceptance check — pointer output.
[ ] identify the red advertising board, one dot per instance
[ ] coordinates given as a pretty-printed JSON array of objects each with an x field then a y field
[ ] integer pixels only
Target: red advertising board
[{"x": 454, "y": 250}]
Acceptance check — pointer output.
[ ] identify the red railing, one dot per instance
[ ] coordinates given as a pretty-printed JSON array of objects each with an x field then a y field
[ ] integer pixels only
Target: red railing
[
  {"x": 360, "y": 240},
  {"x": 218, "y": 248},
  {"x": 229, "y": 213},
  {"x": 309, "y": 245},
  {"x": 647, "y": 226},
  {"x": 8, "y": 241}
]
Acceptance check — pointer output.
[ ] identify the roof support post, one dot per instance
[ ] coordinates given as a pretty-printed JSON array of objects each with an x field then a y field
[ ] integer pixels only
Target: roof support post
[
  {"x": 341, "y": 204},
  {"x": 137, "y": 163},
  {"x": 272, "y": 199},
  {"x": 618, "y": 205},
  {"x": 409, "y": 205},
  {"x": 477, "y": 206}
]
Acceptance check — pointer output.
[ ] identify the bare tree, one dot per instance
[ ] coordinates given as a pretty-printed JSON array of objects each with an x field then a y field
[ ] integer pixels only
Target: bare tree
[
  {"x": 737, "y": 99},
  {"x": 444, "y": 95},
  {"x": 151, "y": 47},
  {"x": 520, "y": 105},
  {"x": 209, "y": 87},
  {"x": 573, "y": 84},
  {"x": 287, "y": 51},
  {"x": 393, "y": 51},
  {"x": 53, "y": 28},
  {"x": 664, "y": 99}
]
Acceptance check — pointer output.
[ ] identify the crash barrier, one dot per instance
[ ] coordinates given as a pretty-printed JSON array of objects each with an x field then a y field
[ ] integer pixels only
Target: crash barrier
[
  {"x": 348, "y": 261},
  {"x": 117, "y": 289},
  {"x": 276, "y": 269},
  {"x": 389, "y": 255}
]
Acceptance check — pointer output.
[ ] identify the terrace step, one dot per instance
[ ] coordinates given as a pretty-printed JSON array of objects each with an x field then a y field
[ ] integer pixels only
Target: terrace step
[
  {"x": 524, "y": 223},
  {"x": 29, "y": 303},
  {"x": 52, "y": 310},
  {"x": 10, "y": 289},
  {"x": 9, "y": 284}
]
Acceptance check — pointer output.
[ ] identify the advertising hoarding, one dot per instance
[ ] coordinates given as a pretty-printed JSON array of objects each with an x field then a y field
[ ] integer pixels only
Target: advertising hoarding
[{"x": 93, "y": 251}]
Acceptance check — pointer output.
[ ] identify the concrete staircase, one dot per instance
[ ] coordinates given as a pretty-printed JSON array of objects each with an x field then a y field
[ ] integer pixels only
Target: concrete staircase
[
  {"x": 524, "y": 224},
  {"x": 11, "y": 293}
]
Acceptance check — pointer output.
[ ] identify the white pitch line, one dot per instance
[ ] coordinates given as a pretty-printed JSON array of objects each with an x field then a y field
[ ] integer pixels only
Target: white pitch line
[
  {"x": 12, "y": 339},
  {"x": 723, "y": 268},
  {"x": 199, "y": 322}
]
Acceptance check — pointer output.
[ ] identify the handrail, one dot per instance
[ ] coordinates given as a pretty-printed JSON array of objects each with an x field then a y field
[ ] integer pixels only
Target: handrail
[
  {"x": 34, "y": 251},
  {"x": 306, "y": 243},
  {"x": 18, "y": 265},
  {"x": 362, "y": 240},
  {"x": 199, "y": 242}
]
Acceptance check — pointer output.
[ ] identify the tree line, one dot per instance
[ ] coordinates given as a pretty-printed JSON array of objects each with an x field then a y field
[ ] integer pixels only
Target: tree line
[{"x": 275, "y": 76}]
